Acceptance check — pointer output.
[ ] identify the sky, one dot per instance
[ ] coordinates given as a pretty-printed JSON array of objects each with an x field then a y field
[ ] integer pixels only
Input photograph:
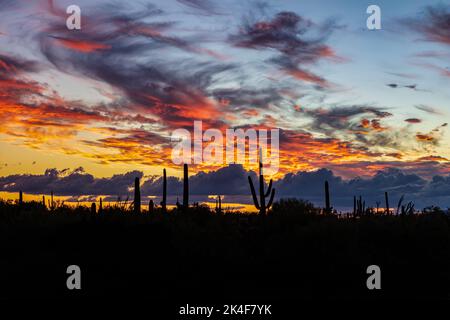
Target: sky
[{"x": 104, "y": 100}]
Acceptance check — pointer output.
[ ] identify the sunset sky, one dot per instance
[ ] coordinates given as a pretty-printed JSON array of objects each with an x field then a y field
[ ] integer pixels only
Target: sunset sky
[{"x": 106, "y": 98}]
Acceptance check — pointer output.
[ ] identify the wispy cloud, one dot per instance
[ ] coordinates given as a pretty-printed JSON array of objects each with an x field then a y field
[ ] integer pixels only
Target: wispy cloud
[
  {"x": 432, "y": 23},
  {"x": 428, "y": 109},
  {"x": 298, "y": 40}
]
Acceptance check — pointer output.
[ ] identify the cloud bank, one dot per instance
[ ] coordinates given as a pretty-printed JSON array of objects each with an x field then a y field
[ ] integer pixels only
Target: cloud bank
[{"x": 231, "y": 181}]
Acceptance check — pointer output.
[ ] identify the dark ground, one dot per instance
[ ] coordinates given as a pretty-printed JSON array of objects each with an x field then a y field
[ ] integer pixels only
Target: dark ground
[{"x": 199, "y": 255}]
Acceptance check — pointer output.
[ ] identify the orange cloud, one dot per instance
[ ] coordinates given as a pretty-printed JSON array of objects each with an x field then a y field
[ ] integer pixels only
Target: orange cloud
[
  {"x": 81, "y": 45},
  {"x": 307, "y": 76},
  {"x": 424, "y": 137},
  {"x": 365, "y": 123},
  {"x": 432, "y": 158}
]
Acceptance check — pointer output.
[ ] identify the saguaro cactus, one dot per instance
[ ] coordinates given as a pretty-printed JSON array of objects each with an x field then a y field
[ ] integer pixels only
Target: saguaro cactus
[
  {"x": 354, "y": 205},
  {"x": 151, "y": 206},
  {"x": 400, "y": 201},
  {"x": 164, "y": 196},
  {"x": 185, "y": 187},
  {"x": 261, "y": 204},
  {"x": 137, "y": 196},
  {"x": 43, "y": 201},
  {"x": 327, "y": 199},
  {"x": 100, "y": 207},
  {"x": 409, "y": 209},
  {"x": 218, "y": 205},
  {"x": 178, "y": 205},
  {"x": 52, "y": 203},
  {"x": 20, "y": 197},
  {"x": 361, "y": 206},
  {"x": 93, "y": 208},
  {"x": 386, "y": 198}
]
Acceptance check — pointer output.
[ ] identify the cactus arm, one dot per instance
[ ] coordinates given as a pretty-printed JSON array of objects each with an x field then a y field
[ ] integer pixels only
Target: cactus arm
[
  {"x": 252, "y": 188},
  {"x": 271, "y": 198},
  {"x": 269, "y": 189}
]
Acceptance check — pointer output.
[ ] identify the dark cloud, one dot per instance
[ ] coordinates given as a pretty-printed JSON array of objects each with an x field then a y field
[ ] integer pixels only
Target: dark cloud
[
  {"x": 8, "y": 4},
  {"x": 232, "y": 182},
  {"x": 428, "y": 109},
  {"x": 298, "y": 41},
  {"x": 413, "y": 120},
  {"x": 71, "y": 183},
  {"x": 202, "y": 6},
  {"x": 343, "y": 118},
  {"x": 239, "y": 99},
  {"x": 124, "y": 50},
  {"x": 310, "y": 185},
  {"x": 13, "y": 65},
  {"x": 409, "y": 86},
  {"x": 284, "y": 34},
  {"x": 364, "y": 127},
  {"x": 432, "y": 23},
  {"x": 438, "y": 186}
]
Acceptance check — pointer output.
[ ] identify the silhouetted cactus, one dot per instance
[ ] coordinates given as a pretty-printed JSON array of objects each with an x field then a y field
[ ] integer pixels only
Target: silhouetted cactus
[
  {"x": 137, "y": 196},
  {"x": 100, "y": 207},
  {"x": 43, "y": 201},
  {"x": 400, "y": 201},
  {"x": 386, "y": 198},
  {"x": 360, "y": 207},
  {"x": 218, "y": 205},
  {"x": 185, "y": 187},
  {"x": 328, "y": 208},
  {"x": 409, "y": 209},
  {"x": 151, "y": 206},
  {"x": 20, "y": 198},
  {"x": 354, "y": 206},
  {"x": 93, "y": 208},
  {"x": 51, "y": 202},
  {"x": 164, "y": 196},
  {"x": 261, "y": 204}
]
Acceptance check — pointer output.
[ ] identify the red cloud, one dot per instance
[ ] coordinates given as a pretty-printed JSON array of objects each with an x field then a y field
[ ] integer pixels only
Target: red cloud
[
  {"x": 413, "y": 120},
  {"x": 425, "y": 137},
  {"x": 81, "y": 45}
]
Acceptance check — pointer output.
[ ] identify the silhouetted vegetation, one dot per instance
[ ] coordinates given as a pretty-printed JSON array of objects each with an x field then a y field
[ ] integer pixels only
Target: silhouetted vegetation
[
  {"x": 185, "y": 187},
  {"x": 328, "y": 208},
  {"x": 294, "y": 252},
  {"x": 164, "y": 195},
  {"x": 137, "y": 196},
  {"x": 261, "y": 204}
]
